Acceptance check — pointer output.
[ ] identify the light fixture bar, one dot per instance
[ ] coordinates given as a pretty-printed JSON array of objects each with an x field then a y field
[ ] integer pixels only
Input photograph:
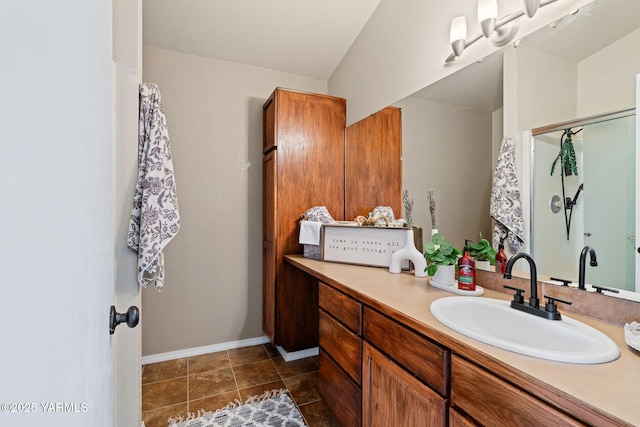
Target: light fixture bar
[{"x": 485, "y": 12}]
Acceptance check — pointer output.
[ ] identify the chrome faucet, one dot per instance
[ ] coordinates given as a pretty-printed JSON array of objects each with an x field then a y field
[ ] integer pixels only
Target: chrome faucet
[
  {"x": 533, "y": 298},
  {"x": 583, "y": 258},
  {"x": 550, "y": 310}
]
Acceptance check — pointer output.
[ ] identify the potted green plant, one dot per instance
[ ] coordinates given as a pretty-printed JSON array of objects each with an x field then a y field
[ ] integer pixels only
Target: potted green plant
[
  {"x": 482, "y": 253},
  {"x": 440, "y": 253}
]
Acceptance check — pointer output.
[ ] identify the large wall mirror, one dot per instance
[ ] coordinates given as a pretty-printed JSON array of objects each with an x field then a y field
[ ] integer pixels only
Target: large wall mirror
[{"x": 582, "y": 65}]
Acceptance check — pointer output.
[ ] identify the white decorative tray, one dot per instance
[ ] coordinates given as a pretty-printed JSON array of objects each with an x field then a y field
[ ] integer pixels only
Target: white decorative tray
[
  {"x": 454, "y": 289},
  {"x": 632, "y": 334}
]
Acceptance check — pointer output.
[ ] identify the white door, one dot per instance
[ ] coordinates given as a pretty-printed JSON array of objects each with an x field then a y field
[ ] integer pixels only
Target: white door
[{"x": 58, "y": 213}]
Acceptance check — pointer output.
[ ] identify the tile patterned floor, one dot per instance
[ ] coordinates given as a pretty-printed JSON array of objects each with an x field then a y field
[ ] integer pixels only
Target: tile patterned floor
[{"x": 211, "y": 381}]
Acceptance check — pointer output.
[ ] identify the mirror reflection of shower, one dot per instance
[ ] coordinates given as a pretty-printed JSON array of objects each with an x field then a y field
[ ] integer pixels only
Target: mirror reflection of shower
[{"x": 588, "y": 200}]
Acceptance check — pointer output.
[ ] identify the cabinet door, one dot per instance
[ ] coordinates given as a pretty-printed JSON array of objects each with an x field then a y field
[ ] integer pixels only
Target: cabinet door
[
  {"x": 393, "y": 397},
  {"x": 268, "y": 245},
  {"x": 374, "y": 163}
]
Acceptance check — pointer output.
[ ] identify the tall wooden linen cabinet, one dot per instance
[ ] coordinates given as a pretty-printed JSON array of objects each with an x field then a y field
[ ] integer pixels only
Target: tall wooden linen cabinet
[{"x": 303, "y": 166}]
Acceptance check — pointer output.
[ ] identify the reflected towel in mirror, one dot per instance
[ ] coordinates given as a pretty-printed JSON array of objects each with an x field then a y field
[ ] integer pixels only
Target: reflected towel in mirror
[{"x": 506, "y": 206}]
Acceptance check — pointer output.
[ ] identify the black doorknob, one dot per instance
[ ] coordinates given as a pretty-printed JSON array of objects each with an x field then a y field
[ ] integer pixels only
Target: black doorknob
[{"x": 132, "y": 317}]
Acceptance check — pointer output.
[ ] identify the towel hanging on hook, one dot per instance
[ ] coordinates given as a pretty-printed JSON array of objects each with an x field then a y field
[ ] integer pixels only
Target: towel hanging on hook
[{"x": 155, "y": 219}]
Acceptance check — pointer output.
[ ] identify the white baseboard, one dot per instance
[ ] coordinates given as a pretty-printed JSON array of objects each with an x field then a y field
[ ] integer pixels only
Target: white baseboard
[
  {"x": 197, "y": 351},
  {"x": 295, "y": 355}
]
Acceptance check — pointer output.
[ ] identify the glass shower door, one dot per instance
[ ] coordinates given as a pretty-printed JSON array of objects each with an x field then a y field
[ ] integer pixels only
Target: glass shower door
[{"x": 609, "y": 186}]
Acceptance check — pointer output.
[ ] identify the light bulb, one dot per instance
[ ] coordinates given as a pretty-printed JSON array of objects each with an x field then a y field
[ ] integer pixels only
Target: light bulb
[
  {"x": 487, "y": 15},
  {"x": 458, "y": 34},
  {"x": 531, "y": 7}
]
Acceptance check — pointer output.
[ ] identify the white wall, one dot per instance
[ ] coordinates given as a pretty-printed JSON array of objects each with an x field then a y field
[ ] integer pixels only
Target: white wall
[
  {"x": 606, "y": 80},
  {"x": 213, "y": 291},
  {"x": 404, "y": 45},
  {"x": 436, "y": 136},
  {"x": 539, "y": 89}
]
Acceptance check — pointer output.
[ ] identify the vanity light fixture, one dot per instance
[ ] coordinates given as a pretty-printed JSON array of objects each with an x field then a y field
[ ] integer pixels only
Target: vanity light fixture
[{"x": 501, "y": 31}]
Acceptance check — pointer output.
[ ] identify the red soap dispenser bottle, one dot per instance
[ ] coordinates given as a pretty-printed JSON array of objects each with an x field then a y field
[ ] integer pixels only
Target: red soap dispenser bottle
[
  {"x": 501, "y": 259},
  {"x": 466, "y": 270}
]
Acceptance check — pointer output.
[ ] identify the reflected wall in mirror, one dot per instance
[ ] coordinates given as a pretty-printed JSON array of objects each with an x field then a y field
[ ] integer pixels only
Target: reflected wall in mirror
[
  {"x": 581, "y": 65},
  {"x": 447, "y": 149},
  {"x": 591, "y": 205}
]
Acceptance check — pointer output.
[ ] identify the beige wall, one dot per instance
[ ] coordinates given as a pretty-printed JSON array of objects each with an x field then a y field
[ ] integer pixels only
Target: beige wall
[
  {"x": 213, "y": 291},
  {"x": 448, "y": 149}
]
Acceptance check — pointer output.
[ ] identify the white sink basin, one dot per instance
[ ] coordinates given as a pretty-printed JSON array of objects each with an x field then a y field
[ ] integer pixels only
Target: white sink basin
[{"x": 493, "y": 322}]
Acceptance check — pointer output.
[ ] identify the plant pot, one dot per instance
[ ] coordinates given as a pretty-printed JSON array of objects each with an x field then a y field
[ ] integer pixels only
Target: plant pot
[
  {"x": 445, "y": 275},
  {"x": 483, "y": 265}
]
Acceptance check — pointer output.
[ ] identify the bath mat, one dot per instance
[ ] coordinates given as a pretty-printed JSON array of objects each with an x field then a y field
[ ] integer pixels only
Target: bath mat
[{"x": 274, "y": 408}]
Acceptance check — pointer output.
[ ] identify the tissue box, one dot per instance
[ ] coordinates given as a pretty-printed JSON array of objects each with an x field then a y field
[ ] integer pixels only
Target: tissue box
[{"x": 370, "y": 246}]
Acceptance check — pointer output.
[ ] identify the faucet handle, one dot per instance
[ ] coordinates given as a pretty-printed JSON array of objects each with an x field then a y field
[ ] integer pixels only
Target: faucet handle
[
  {"x": 599, "y": 289},
  {"x": 518, "y": 298},
  {"x": 565, "y": 282},
  {"x": 551, "y": 306}
]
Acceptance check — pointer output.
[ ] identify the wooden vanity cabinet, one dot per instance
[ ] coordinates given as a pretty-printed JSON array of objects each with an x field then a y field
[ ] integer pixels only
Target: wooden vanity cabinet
[
  {"x": 340, "y": 354},
  {"x": 303, "y": 166},
  {"x": 391, "y": 396},
  {"x": 456, "y": 419},
  {"x": 490, "y": 401},
  {"x": 374, "y": 163},
  {"x": 405, "y": 376}
]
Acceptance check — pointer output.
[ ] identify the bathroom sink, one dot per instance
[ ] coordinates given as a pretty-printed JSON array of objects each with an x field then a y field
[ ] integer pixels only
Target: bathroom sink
[{"x": 493, "y": 322}]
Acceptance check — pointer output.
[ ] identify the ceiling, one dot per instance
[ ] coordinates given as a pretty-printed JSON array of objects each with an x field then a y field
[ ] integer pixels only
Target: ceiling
[
  {"x": 309, "y": 38},
  {"x": 304, "y": 37},
  {"x": 574, "y": 37}
]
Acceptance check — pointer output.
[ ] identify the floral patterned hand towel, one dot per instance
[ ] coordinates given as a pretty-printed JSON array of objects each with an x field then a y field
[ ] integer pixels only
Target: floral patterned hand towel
[
  {"x": 155, "y": 219},
  {"x": 506, "y": 207}
]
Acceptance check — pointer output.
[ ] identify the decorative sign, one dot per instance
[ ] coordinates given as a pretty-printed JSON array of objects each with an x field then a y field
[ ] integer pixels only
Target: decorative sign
[{"x": 361, "y": 245}]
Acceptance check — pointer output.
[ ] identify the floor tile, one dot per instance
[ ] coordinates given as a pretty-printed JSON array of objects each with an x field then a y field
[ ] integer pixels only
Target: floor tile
[
  {"x": 210, "y": 383},
  {"x": 272, "y": 351},
  {"x": 255, "y": 373},
  {"x": 164, "y": 393},
  {"x": 213, "y": 403},
  {"x": 242, "y": 356},
  {"x": 161, "y": 371},
  {"x": 158, "y": 417},
  {"x": 317, "y": 414},
  {"x": 208, "y": 362},
  {"x": 296, "y": 367},
  {"x": 304, "y": 388},
  {"x": 259, "y": 389}
]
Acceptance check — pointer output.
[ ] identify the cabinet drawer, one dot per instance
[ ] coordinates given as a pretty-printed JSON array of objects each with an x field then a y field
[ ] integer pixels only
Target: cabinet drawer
[
  {"x": 341, "y": 395},
  {"x": 341, "y": 306},
  {"x": 492, "y": 401},
  {"x": 344, "y": 346},
  {"x": 422, "y": 357}
]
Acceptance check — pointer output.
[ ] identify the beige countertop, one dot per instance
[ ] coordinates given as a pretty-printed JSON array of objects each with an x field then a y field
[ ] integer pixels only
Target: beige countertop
[{"x": 609, "y": 390}]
